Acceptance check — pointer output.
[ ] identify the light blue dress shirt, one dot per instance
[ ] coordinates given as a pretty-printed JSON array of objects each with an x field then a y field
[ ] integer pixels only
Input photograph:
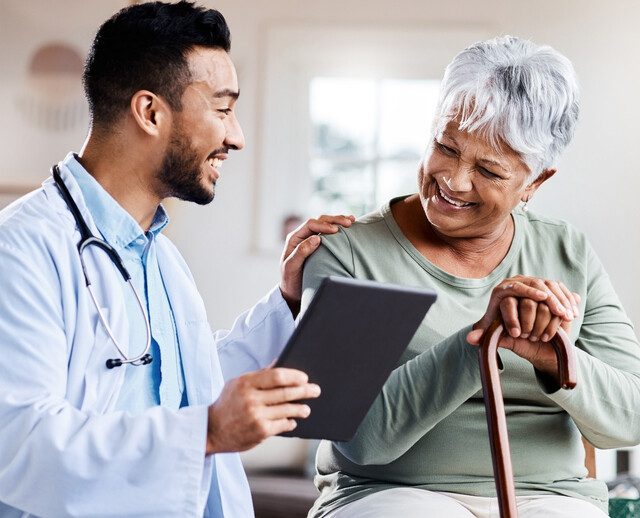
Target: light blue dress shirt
[
  {"x": 162, "y": 381},
  {"x": 57, "y": 398}
]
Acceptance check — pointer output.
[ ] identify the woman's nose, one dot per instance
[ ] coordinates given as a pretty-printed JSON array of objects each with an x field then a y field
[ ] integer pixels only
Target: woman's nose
[{"x": 459, "y": 179}]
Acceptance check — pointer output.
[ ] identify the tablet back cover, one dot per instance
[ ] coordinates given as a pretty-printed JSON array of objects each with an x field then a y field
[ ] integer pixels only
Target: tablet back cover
[{"x": 348, "y": 342}]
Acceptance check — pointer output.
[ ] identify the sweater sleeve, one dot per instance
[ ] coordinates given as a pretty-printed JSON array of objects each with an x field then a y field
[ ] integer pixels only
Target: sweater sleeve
[
  {"x": 414, "y": 399},
  {"x": 605, "y": 404}
]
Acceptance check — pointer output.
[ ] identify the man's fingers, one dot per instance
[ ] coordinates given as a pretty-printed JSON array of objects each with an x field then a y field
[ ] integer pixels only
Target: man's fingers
[
  {"x": 509, "y": 312},
  {"x": 339, "y": 219},
  {"x": 279, "y": 395},
  {"x": 299, "y": 254},
  {"x": 275, "y": 378},
  {"x": 318, "y": 226},
  {"x": 325, "y": 224},
  {"x": 286, "y": 411},
  {"x": 281, "y": 426}
]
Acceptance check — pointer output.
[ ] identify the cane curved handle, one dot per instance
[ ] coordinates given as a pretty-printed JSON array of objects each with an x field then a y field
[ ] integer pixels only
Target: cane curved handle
[{"x": 494, "y": 406}]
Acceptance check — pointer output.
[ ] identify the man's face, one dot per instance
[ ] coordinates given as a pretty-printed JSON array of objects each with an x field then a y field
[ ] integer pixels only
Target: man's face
[{"x": 204, "y": 130}]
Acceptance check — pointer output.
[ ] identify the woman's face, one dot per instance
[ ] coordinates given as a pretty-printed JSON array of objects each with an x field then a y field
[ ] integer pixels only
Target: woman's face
[{"x": 467, "y": 188}]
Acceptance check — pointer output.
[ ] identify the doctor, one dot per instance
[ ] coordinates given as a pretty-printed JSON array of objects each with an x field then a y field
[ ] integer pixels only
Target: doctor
[{"x": 154, "y": 434}]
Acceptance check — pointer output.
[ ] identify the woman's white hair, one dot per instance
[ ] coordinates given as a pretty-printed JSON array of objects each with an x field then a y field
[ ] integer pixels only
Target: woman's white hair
[{"x": 514, "y": 92}]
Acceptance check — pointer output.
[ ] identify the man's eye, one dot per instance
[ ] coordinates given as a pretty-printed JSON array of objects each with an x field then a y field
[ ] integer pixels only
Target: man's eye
[{"x": 225, "y": 111}]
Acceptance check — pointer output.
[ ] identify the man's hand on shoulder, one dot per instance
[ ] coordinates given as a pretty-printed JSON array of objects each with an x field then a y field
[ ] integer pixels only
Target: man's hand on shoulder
[
  {"x": 257, "y": 405},
  {"x": 300, "y": 244}
]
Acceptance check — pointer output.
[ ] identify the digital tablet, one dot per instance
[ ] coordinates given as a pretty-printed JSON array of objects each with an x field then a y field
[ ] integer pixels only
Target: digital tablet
[{"x": 348, "y": 342}]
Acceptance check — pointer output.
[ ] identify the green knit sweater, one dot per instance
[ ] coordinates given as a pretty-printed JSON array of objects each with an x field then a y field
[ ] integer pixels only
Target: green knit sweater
[{"x": 427, "y": 428}]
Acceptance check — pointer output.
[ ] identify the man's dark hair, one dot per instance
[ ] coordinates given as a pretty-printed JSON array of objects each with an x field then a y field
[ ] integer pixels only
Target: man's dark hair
[{"x": 144, "y": 47}]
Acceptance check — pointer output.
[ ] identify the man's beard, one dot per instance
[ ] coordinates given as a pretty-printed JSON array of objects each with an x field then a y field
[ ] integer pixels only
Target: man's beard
[{"x": 181, "y": 172}]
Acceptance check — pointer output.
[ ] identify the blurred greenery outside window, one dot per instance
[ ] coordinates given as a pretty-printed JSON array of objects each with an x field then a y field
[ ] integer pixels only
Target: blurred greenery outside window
[{"x": 368, "y": 137}]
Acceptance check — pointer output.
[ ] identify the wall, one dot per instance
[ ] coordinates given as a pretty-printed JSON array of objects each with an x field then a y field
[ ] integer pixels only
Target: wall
[{"x": 595, "y": 188}]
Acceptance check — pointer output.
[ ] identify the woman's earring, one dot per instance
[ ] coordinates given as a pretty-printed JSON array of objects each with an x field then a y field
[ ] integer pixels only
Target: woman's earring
[{"x": 525, "y": 207}]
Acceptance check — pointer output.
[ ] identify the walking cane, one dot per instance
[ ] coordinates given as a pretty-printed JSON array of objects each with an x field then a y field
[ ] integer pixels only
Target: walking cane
[{"x": 494, "y": 407}]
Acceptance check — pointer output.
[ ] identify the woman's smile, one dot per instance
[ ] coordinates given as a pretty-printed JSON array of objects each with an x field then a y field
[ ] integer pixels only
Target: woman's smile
[{"x": 450, "y": 202}]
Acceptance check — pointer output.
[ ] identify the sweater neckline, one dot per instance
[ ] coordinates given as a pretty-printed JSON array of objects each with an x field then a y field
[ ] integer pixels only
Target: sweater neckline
[{"x": 498, "y": 273}]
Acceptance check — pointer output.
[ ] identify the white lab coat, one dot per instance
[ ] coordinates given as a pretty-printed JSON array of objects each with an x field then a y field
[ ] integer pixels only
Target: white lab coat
[{"x": 64, "y": 451}]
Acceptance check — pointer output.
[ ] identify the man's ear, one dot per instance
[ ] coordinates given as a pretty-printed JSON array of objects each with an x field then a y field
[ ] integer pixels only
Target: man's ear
[
  {"x": 535, "y": 185},
  {"x": 149, "y": 112}
]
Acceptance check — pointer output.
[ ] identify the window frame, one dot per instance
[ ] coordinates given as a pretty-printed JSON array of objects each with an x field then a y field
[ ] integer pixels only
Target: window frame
[{"x": 293, "y": 56}]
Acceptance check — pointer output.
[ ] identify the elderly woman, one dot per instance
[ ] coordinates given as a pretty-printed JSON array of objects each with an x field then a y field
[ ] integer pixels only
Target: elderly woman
[{"x": 507, "y": 109}]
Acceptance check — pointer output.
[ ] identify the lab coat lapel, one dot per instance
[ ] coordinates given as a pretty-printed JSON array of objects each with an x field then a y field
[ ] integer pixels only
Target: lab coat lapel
[
  {"x": 203, "y": 377},
  {"x": 101, "y": 387},
  {"x": 203, "y": 374}
]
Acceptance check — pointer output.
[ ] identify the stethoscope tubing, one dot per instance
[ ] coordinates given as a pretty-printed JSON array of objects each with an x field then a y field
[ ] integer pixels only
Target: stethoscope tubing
[{"x": 87, "y": 239}]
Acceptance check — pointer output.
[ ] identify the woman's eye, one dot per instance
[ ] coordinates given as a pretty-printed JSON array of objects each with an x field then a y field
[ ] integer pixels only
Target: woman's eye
[
  {"x": 487, "y": 173},
  {"x": 446, "y": 149}
]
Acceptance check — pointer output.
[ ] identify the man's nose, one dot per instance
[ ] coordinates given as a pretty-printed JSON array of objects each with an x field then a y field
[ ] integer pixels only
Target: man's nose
[{"x": 234, "y": 138}]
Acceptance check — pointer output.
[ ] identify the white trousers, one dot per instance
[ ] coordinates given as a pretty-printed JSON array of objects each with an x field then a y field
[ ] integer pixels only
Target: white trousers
[{"x": 408, "y": 502}]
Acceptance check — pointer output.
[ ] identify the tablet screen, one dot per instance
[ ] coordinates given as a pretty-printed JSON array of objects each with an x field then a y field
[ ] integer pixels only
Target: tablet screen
[{"x": 348, "y": 342}]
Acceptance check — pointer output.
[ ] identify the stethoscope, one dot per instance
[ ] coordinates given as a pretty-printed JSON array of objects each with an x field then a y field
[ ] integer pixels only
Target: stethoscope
[{"x": 87, "y": 239}]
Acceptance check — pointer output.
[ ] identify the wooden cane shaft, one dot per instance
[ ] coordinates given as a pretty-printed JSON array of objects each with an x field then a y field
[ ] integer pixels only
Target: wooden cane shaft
[{"x": 494, "y": 407}]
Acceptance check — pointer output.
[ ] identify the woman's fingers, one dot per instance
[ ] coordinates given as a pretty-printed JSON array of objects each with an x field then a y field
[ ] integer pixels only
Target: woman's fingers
[
  {"x": 553, "y": 302},
  {"x": 505, "y": 290},
  {"x": 543, "y": 317},
  {"x": 509, "y": 312},
  {"x": 527, "y": 310},
  {"x": 530, "y": 308},
  {"x": 564, "y": 297},
  {"x": 574, "y": 298},
  {"x": 551, "y": 329}
]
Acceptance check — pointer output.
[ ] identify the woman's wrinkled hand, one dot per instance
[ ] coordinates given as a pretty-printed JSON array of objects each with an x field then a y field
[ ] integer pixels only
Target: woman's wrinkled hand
[{"x": 530, "y": 321}]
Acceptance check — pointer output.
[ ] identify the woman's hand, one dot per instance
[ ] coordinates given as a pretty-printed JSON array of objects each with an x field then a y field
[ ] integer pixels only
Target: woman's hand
[{"x": 530, "y": 322}]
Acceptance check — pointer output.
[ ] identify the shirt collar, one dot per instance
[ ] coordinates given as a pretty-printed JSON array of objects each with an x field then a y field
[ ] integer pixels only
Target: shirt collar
[{"x": 117, "y": 226}]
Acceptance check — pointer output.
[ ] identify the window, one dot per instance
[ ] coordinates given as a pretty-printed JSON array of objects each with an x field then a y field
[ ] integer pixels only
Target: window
[
  {"x": 368, "y": 136},
  {"x": 346, "y": 115}
]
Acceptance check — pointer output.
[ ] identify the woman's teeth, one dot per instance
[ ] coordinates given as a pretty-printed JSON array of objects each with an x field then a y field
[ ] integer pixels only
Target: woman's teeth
[{"x": 452, "y": 201}]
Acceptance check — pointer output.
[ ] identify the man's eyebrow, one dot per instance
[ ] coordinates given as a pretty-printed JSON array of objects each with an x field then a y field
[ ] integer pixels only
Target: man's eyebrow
[{"x": 227, "y": 93}]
